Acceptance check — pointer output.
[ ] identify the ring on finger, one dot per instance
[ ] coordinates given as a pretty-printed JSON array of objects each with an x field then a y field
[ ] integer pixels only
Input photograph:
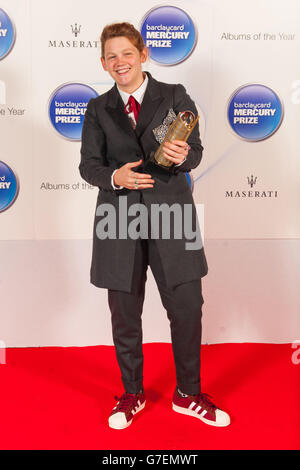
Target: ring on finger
[{"x": 136, "y": 184}]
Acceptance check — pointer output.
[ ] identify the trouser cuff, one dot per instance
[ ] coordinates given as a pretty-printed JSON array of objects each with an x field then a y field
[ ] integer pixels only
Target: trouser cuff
[
  {"x": 189, "y": 388},
  {"x": 133, "y": 387}
]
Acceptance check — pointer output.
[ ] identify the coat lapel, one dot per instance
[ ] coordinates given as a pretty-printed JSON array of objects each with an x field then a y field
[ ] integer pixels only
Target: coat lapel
[
  {"x": 152, "y": 100},
  {"x": 115, "y": 107}
]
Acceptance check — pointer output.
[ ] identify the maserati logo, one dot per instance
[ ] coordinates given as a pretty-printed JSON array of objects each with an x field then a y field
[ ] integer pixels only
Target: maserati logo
[
  {"x": 76, "y": 29},
  {"x": 251, "y": 180},
  {"x": 249, "y": 193},
  {"x": 71, "y": 42}
]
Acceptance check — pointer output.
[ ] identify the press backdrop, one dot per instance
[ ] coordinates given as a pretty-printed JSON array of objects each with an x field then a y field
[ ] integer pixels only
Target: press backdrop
[{"x": 240, "y": 63}]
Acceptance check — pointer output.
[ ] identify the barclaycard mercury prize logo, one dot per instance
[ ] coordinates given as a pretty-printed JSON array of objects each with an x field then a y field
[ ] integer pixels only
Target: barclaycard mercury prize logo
[
  {"x": 67, "y": 106},
  {"x": 9, "y": 186},
  {"x": 254, "y": 112},
  {"x": 169, "y": 33},
  {"x": 68, "y": 43},
  {"x": 7, "y": 34}
]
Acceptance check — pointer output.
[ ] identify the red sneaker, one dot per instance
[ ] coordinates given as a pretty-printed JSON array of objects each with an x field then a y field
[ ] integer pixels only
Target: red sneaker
[
  {"x": 200, "y": 406},
  {"x": 128, "y": 405}
]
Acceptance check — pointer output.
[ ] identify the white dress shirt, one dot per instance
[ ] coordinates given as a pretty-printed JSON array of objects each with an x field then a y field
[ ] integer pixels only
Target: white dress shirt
[{"x": 138, "y": 95}]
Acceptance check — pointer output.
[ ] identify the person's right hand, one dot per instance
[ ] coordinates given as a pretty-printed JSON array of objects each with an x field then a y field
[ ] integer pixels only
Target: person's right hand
[{"x": 124, "y": 176}]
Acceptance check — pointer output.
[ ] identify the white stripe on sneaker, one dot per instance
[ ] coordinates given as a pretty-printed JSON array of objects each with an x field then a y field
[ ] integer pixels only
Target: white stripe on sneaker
[
  {"x": 198, "y": 409},
  {"x": 203, "y": 413},
  {"x": 191, "y": 405}
]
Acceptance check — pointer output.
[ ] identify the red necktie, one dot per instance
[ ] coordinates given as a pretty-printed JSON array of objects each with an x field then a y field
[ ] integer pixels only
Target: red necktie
[{"x": 133, "y": 107}]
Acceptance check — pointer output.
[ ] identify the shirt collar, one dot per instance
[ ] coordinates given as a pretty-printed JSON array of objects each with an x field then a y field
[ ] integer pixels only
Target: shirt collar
[{"x": 137, "y": 94}]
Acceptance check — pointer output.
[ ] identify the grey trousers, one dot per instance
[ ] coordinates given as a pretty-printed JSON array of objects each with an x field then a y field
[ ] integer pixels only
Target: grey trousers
[{"x": 184, "y": 310}]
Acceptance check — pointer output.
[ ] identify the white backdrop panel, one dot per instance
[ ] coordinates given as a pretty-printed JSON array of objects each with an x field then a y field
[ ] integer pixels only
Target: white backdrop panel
[{"x": 252, "y": 244}]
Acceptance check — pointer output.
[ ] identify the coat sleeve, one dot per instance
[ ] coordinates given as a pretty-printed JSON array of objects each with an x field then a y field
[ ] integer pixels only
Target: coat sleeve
[
  {"x": 93, "y": 166},
  {"x": 183, "y": 102}
]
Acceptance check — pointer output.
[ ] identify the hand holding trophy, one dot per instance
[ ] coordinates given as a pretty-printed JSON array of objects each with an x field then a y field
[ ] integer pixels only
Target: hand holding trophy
[{"x": 179, "y": 129}]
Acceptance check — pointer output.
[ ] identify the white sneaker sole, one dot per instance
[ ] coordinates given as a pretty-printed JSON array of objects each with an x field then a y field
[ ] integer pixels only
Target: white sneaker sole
[
  {"x": 124, "y": 426},
  {"x": 186, "y": 411}
]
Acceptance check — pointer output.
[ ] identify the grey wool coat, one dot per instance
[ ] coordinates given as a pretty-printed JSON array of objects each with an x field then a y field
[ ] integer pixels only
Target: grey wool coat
[{"x": 108, "y": 142}]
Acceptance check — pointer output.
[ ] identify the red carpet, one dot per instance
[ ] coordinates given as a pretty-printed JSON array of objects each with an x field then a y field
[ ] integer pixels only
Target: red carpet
[{"x": 60, "y": 398}]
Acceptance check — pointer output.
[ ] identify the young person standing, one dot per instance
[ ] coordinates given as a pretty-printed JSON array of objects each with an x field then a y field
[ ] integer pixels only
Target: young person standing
[{"x": 117, "y": 141}]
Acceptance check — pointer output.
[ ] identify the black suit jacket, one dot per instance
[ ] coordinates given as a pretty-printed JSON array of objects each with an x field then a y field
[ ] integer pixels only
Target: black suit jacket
[{"x": 108, "y": 142}]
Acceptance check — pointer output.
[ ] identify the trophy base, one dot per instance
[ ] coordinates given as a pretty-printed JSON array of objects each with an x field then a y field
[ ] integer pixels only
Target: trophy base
[
  {"x": 160, "y": 165},
  {"x": 157, "y": 171}
]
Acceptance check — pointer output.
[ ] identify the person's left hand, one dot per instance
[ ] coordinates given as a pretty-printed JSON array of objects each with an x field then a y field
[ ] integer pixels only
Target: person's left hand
[{"x": 176, "y": 151}]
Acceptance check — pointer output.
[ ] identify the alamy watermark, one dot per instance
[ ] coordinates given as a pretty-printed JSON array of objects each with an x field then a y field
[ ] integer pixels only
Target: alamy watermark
[
  {"x": 2, "y": 352},
  {"x": 162, "y": 221},
  {"x": 296, "y": 354}
]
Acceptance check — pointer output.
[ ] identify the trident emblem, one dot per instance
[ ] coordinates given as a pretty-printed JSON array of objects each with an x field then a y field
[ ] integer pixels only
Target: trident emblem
[
  {"x": 252, "y": 180},
  {"x": 76, "y": 29}
]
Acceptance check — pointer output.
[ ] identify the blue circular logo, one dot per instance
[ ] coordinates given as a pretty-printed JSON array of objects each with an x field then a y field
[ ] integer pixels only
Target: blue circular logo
[
  {"x": 7, "y": 34},
  {"x": 254, "y": 112},
  {"x": 169, "y": 34},
  {"x": 9, "y": 187},
  {"x": 67, "y": 108}
]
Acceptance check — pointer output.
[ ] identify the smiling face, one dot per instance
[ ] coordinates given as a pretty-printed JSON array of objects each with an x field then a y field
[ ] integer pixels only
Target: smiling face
[{"x": 123, "y": 61}]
